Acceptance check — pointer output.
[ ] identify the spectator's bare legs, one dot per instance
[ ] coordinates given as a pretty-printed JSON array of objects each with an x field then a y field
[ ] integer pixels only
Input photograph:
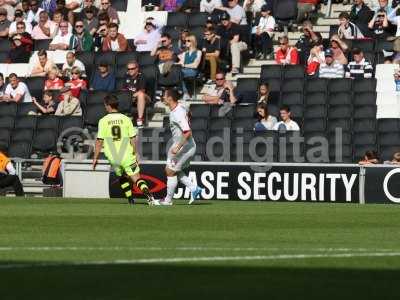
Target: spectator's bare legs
[{"x": 141, "y": 104}]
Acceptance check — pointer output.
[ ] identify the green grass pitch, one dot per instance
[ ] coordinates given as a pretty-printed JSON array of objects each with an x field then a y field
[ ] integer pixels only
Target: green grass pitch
[{"x": 105, "y": 249}]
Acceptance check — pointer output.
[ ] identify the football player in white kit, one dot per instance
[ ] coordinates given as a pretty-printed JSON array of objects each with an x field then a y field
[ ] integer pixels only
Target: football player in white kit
[{"x": 181, "y": 151}]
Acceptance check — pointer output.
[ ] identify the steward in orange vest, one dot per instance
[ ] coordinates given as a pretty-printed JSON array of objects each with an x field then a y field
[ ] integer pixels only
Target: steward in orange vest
[{"x": 8, "y": 177}]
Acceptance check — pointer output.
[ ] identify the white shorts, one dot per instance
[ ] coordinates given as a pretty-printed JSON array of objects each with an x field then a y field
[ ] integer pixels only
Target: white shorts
[{"x": 181, "y": 160}]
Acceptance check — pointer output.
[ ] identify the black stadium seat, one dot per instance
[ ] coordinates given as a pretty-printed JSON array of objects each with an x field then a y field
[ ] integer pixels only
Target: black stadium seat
[
  {"x": 94, "y": 113},
  {"x": 340, "y": 85},
  {"x": 5, "y": 45},
  {"x": 386, "y": 152},
  {"x": 19, "y": 135},
  {"x": 25, "y": 122},
  {"x": 345, "y": 138},
  {"x": 293, "y": 85},
  {"x": 293, "y": 71},
  {"x": 197, "y": 19},
  {"x": 271, "y": 71},
  {"x": 108, "y": 58},
  {"x": 35, "y": 83},
  {"x": 25, "y": 108},
  {"x": 292, "y": 98},
  {"x": 217, "y": 124},
  {"x": 315, "y": 111},
  {"x": 87, "y": 58},
  {"x": 48, "y": 122},
  {"x": 5, "y": 135},
  {"x": 316, "y": 85},
  {"x": 7, "y": 122},
  {"x": 340, "y": 98},
  {"x": 365, "y": 112},
  {"x": 247, "y": 90},
  {"x": 315, "y": 98},
  {"x": 45, "y": 140},
  {"x": 244, "y": 111},
  {"x": 125, "y": 101},
  {"x": 388, "y": 125},
  {"x": 359, "y": 151},
  {"x": 389, "y": 139},
  {"x": 96, "y": 97},
  {"x": 364, "y": 85},
  {"x": 364, "y": 125},
  {"x": 364, "y": 98},
  {"x": 70, "y": 125},
  {"x": 8, "y": 109},
  {"x": 340, "y": 112},
  {"x": 199, "y": 124},
  {"x": 343, "y": 124},
  {"x": 177, "y": 19},
  {"x": 120, "y": 5},
  {"x": 311, "y": 125},
  {"x": 20, "y": 150},
  {"x": 145, "y": 59},
  {"x": 125, "y": 57},
  {"x": 364, "y": 138},
  {"x": 200, "y": 110},
  {"x": 243, "y": 124},
  {"x": 41, "y": 44}
]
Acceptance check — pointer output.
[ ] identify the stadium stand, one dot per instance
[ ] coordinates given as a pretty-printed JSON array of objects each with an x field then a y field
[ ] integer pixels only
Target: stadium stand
[{"x": 367, "y": 110}]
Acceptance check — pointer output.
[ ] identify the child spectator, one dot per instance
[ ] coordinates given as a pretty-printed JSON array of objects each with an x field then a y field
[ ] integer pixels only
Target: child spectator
[
  {"x": 48, "y": 107},
  {"x": 76, "y": 83},
  {"x": 53, "y": 82}
]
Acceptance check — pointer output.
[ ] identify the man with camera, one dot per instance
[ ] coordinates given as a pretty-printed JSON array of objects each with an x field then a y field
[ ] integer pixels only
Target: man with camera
[
  {"x": 379, "y": 25},
  {"x": 135, "y": 82}
]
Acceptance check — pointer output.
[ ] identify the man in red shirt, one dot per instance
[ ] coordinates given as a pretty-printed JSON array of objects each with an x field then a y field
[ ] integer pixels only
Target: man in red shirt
[{"x": 285, "y": 54}]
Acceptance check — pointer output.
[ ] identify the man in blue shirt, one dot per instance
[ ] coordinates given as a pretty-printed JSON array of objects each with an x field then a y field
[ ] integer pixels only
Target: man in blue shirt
[{"x": 103, "y": 79}]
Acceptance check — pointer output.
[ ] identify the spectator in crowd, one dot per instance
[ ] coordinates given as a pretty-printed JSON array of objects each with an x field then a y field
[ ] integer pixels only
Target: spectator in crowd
[
  {"x": 395, "y": 160},
  {"x": 230, "y": 37},
  {"x": 254, "y": 7},
  {"x": 76, "y": 83},
  {"x": 58, "y": 17},
  {"x": 21, "y": 45},
  {"x": 69, "y": 106},
  {"x": 90, "y": 20},
  {"x": 103, "y": 79},
  {"x": 9, "y": 9},
  {"x": 265, "y": 120},
  {"x": 305, "y": 7},
  {"x": 48, "y": 107},
  {"x": 264, "y": 32},
  {"x": 330, "y": 68},
  {"x": 4, "y": 23},
  {"x": 114, "y": 41},
  {"x": 81, "y": 40},
  {"x": 19, "y": 17},
  {"x": 8, "y": 175},
  {"x": 171, "y": 5},
  {"x": 286, "y": 123},
  {"x": 135, "y": 82},
  {"x": 16, "y": 91},
  {"x": 209, "y": 6},
  {"x": 24, "y": 6},
  {"x": 74, "y": 5},
  {"x": 2, "y": 86},
  {"x": 190, "y": 61},
  {"x": 88, "y": 4},
  {"x": 64, "y": 11},
  {"x": 148, "y": 39},
  {"x": 101, "y": 32},
  {"x": 348, "y": 30},
  {"x": 360, "y": 15},
  {"x": 370, "y": 158},
  {"x": 53, "y": 82},
  {"x": 379, "y": 25},
  {"x": 263, "y": 93},
  {"x": 45, "y": 29},
  {"x": 222, "y": 92},
  {"x": 211, "y": 51},
  {"x": 384, "y": 5},
  {"x": 316, "y": 58},
  {"x": 43, "y": 65},
  {"x": 307, "y": 40},
  {"x": 359, "y": 67},
  {"x": 285, "y": 54},
  {"x": 394, "y": 18},
  {"x": 71, "y": 62},
  {"x": 62, "y": 39},
  {"x": 33, "y": 16},
  {"x": 339, "y": 48},
  {"x": 236, "y": 12},
  {"x": 49, "y": 6},
  {"x": 182, "y": 40},
  {"x": 166, "y": 53},
  {"x": 111, "y": 11}
]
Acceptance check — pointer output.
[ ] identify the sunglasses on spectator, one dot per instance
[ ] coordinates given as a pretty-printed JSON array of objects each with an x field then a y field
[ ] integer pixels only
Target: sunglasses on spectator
[
  {"x": 131, "y": 69},
  {"x": 105, "y": 3},
  {"x": 188, "y": 41},
  {"x": 20, "y": 27},
  {"x": 78, "y": 26},
  {"x": 219, "y": 78}
]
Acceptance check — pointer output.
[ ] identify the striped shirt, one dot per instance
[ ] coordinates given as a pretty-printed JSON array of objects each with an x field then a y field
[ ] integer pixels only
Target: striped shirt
[
  {"x": 334, "y": 70},
  {"x": 363, "y": 69}
]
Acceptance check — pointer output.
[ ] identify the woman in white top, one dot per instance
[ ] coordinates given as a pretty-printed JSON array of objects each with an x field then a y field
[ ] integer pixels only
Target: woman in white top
[
  {"x": 263, "y": 33},
  {"x": 190, "y": 61},
  {"x": 265, "y": 120}
]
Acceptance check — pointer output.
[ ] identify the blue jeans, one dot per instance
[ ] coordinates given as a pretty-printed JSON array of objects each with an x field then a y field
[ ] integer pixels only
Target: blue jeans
[{"x": 187, "y": 73}]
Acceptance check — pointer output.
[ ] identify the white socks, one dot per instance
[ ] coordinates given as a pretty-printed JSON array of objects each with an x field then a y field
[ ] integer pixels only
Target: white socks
[
  {"x": 184, "y": 179},
  {"x": 172, "y": 183}
]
